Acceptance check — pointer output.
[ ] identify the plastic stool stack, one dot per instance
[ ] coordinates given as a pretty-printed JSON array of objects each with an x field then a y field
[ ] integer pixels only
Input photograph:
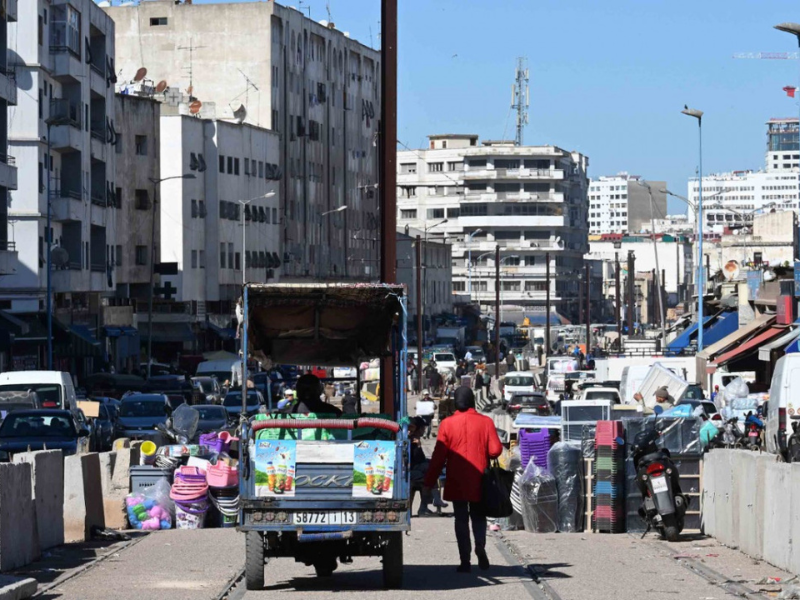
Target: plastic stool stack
[
  {"x": 608, "y": 503},
  {"x": 536, "y": 445}
]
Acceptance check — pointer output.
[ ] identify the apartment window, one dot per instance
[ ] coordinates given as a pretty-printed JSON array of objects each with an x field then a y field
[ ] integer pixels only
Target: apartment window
[
  {"x": 142, "y": 200},
  {"x": 195, "y": 211},
  {"x": 158, "y": 21},
  {"x": 141, "y": 255},
  {"x": 194, "y": 259},
  {"x": 235, "y": 166},
  {"x": 459, "y": 286},
  {"x": 535, "y": 286},
  {"x": 452, "y": 213},
  {"x": 274, "y": 216},
  {"x": 230, "y": 165},
  {"x": 238, "y": 261},
  {"x": 247, "y": 166},
  {"x": 118, "y": 144},
  {"x": 408, "y": 213},
  {"x": 222, "y": 254},
  {"x": 230, "y": 255},
  {"x": 435, "y": 167},
  {"x": 510, "y": 286},
  {"x": 221, "y": 164},
  {"x": 480, "y": 286},
  {"x": 201, "y": 209},
  {"x": 455, "y": 166},
  {"x": 408, "y": 168},
  {"x": 118, "y": 256},
  {"x": 477, "y": 162},
  {"x": 530, "y": 261},
  {"x": 202, "y": 258},
  {"x": 436, "y": 213},
  {"x": 141, "y": 145},
  {"x": 41, "y": 177},
  {"x": 261, "y": 169}
]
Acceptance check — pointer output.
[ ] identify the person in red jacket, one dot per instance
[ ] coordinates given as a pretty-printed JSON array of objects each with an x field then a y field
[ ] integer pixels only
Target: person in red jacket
[{"x": 465, "y": 443}]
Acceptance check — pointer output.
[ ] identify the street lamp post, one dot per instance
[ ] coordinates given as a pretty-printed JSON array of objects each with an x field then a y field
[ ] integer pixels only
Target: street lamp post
[
  {"x": 658, "y": 267},
  {"x": 244, "y": 204},
  {"x": 156, "y": 183},
  {"x": 469, "y": 261},
  {"x": 698, "y": 114}
]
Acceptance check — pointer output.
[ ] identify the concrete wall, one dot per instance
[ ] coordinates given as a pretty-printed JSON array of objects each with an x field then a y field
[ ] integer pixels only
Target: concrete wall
[
  {"x": 47, "y": 485},
  {"x": 19, "y": 543},
  {"x": 748, "y": 503}
]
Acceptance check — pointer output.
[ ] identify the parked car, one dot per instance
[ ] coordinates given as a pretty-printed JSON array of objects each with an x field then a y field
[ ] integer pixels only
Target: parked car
[
  {"x": 694, "y": 392},
  {"x": 54, "y": 429},
  {"x": 54, "y": 388},
  {"x": 84, "y": 423},
  {"x": 139, "y": 414},
  {"x": 601, "y": 393},
  {"x": 104, "y": 427},
  {"x": 233, "y": 403},
  {"x": 708, "y": 406},
  {"x": 445, "y": 361},
  {"x": 208, "y": 387},
  {"x": 534, "y": 403},
  {"x": 213, "y": 417}
]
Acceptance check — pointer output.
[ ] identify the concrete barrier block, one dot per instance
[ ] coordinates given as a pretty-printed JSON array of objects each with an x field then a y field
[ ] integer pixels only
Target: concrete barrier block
[
  {"x": 83, "y": 497},
  {"x": 136, "y": 451},
  {"x": 114, "y": 514},
  {"x": 17, "y": 588},
  {"x": 707, "y": 500},
  {"x": 48, "y": 494},
  {"x": 722, "y": 497},
  {"x": 19, "y": 543},
  {"x": 121, "y": 478},
  {"x": 749, "y": 475},
  {"x": 777, "y": 511}
]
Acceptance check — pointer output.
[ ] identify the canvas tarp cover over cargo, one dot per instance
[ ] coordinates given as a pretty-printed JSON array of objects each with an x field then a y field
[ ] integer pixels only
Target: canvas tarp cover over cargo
[{"x": 310, "y": 324}]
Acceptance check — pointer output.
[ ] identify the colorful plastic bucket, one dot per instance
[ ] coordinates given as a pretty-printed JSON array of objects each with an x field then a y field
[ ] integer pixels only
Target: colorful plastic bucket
[
  {"x": 226, "y": 504},
  {"x": 148, "y": 452},
  {"x": 191, "y": 515}
]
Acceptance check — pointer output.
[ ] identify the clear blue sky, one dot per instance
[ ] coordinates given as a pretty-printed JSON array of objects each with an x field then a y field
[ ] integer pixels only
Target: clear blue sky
[{"x": 607, "y": 78}]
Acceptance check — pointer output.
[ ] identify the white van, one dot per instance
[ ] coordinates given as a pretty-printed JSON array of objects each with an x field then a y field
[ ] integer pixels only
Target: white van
[
  {"x": 784, "y": 402},
  {"x": 53, "y": 388},
  {"x": 221, "y": 369},
  {"x": 517, "y": 382}
]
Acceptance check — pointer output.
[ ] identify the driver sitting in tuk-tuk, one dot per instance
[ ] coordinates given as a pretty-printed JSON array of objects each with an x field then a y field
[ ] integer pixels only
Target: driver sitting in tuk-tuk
[{"x": 308, "y": 393}]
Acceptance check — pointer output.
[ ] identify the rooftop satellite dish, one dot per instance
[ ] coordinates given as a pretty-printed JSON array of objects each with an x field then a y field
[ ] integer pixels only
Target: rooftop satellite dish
[
  {"x": 240, "y": 114},
  {"x": 140, "y": 74},
  {"x": 162, "y": 85},
  {"x": 731, "y": 270},
  {"x": 195, "y": 107},
  {"x": 59, "y": 256}
]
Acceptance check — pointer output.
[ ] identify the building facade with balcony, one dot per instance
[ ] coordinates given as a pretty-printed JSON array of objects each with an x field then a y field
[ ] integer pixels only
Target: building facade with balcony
[
  {"x": 307, "y": 80},
  {"x": 8, "y": 169},
  {"x": 622, "y": 203},
  {"x": 529, "y": 200},
  {"x": 61, "y": 132}
]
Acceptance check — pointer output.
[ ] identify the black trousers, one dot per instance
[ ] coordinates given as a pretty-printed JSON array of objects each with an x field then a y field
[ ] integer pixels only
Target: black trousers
[{"x": 464, "y": 513}]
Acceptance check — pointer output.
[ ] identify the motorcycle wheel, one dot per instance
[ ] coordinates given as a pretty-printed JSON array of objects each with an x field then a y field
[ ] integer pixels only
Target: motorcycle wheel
[{"x": 671, "y": 531}]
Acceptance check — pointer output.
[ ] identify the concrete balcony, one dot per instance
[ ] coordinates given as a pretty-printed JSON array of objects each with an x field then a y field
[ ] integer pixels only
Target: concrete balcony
[
  {"x": 65, "y": 138},
  {"x": 516, "y": 221},
  {"x": 8, "y": 258},
  {"x": 461, "y": 249},
  {"x": 475, "y": 196},
  {"x": 99, "y": 146},
  {"x": 8, "y": 172},
  {"x": 524, "y": 174},
  {"x": 67, "y": 66},
  {"x": 71, "y": 278},
  {"x": 67, "y": 207},
  {"x": 97, "y": 79},
  {"x": 11, "y": 11},
  {"x": 8, "y": 86}
]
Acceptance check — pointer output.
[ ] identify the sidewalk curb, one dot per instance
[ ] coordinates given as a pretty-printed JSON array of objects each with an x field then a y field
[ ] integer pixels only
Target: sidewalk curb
[
  {"x": 538, "y": 589},
  {"x": 16, "y": 588}
]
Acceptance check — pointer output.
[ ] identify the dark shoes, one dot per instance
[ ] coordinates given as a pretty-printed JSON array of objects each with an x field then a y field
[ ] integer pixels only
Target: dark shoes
[
  {"x": 483, "y": 560},
  {"x": 464, "y": 568}
]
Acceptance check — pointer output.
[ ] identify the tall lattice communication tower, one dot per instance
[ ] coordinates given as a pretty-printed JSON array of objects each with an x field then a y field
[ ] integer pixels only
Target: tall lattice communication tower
[{"x": 520, "y": 97}]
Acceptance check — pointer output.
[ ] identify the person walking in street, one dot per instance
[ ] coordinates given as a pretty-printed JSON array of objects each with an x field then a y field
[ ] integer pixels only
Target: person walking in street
[
  {"x": 466, "y": 443},
  {"x": 428, "y": 372},
  {"x": 511, "y": 361},
  {"x": 419, "y": 467},
  {"x": 478, "y": 385},
  {"x": 425, "y": 410}
]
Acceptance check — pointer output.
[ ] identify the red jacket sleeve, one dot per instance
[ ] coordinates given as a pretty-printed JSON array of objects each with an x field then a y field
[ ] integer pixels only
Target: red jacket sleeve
[
  {"x": 438, "y": 459},
  {"x": 495, "y": 448}
]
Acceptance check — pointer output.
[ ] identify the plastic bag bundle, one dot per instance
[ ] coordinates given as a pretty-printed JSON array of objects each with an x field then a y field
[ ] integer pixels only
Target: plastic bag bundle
[
  {"x": 565, "y": 463},
  {"x": 153, "y": 509},
  {"x": 539, "y": 496},
  {"x": 735, "y": 389}
]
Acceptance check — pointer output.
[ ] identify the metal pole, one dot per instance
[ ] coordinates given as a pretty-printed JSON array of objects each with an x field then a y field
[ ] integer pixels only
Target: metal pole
[
  {"x": 388, "y": 174},
  {"x": 700, "y": 271},
  {"x": 631, "y": 287},
  {"x": 497, "y": 312},
  {"x": 245, "y": 323},
  {"x": 49, "y": 242},
  {"x": 469, "y": 266},
  {"x": 547, "y": 303},
  {"x": 617, "y": 307},
  {"x": 659, "y": 289},
  {"x": 588, "y": 308},
  {"x": 150, "y": 288},
  {"x": 244, "y": 241},
  {"x": 419, "y": 313}
]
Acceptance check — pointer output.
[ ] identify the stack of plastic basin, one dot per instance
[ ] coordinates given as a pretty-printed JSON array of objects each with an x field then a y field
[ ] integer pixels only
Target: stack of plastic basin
[
  {"x": 190, "y": 493},
  {"x": 608, "y": 503},
  {"x": 536, "y": 445}
]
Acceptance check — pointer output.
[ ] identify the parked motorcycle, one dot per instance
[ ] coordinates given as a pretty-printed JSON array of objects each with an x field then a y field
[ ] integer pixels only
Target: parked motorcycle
[
  {"x": 793, "y": 444},
  {"x": 663, "y": 503},
  {"x": 753, "y": 427}
]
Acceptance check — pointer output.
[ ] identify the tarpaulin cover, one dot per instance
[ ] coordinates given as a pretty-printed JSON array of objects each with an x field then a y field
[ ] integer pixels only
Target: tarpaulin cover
[
  {"x": 565, "y": 463},
  {"x": 313, "y": 324},
  {"x": 723, "y": 325},
  {"x": 742, "y": 350}
]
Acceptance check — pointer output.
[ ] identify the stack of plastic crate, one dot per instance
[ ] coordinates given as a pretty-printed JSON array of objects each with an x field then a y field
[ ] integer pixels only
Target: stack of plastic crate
[
  {"x": 608, "y": 501},
  {"x": 536, "y": 445}
]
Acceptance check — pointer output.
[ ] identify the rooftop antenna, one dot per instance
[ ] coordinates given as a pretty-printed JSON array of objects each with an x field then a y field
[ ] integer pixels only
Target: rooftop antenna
[
  {"x": 520, "y": 97},
  {"x": 308, "y": 8},
  {"x": 246, "y": 94},
  {"x": 191, "y": 48},
  {"x": 328, "y": 9}
]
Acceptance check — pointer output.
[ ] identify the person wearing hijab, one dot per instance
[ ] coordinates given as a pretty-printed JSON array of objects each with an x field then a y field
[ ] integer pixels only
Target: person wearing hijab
[{"x": 465, "y": 443}]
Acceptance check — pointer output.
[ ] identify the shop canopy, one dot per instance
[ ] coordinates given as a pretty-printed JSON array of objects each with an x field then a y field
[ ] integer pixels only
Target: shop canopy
[
  {"x": 751, "y": 345},
  {"x": 781, "y": 343},
  {"x": 120, "y": 331},
  {"x": 715, "y": 328}
]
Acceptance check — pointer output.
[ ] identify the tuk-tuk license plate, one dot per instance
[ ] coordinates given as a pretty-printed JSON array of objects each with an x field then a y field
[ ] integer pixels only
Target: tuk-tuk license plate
[{"x": 338, "y": 517}]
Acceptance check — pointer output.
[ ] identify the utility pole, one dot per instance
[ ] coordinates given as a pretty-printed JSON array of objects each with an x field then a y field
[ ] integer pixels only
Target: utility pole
[
  {"x": 497, "y": 312},
  {"x": 588, "y": 308},
  {"x": 420, "y": 345},
  {"x": 617, "y": 307},
  {"x": 547, "y": 303},
  {"x": 631, "y": 287},
  {"x": 150, "y": 287},
  {"x": 388, "y": 176},
  {"x": 520, "y": 97}
]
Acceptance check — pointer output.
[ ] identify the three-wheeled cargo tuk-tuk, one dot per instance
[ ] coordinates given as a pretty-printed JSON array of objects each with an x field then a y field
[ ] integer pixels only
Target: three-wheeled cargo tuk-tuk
[{"x": 319, "y": 488}]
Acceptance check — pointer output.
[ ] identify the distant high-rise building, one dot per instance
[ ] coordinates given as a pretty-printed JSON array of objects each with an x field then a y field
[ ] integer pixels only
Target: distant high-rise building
[
  {"x": 621, "y": 203},
  {"x": 306, "y": 80}
]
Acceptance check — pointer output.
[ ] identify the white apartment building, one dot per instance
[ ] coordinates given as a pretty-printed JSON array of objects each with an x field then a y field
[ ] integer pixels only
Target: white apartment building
[
  {"x": 529, "y": 200},
  {"x": 621, "y": 203},
  {"x": 64, "y": 59},
  {"x": 202, "y": 217},
  {"x": 308, "y": 81},
  {"x": 8, "y": 169}
]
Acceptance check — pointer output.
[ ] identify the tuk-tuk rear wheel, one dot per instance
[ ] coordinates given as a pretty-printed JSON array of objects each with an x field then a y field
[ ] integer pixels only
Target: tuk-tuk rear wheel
[{"x": 254, "y": 560}]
